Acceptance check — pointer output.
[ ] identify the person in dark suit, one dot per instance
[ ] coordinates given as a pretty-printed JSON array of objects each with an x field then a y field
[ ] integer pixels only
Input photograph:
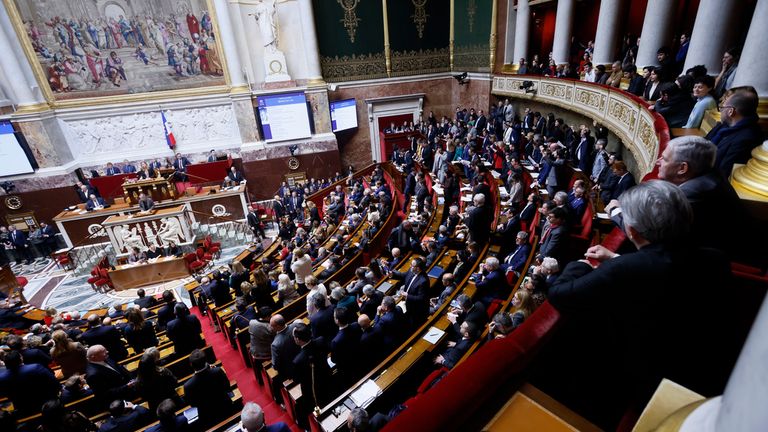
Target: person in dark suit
[
  {"x": 234, "y": 177},
  {"x": 220, "y": 292},
  {"x": 624, "y": 179},
  {"x": 584, "y": 150},
  {"x": 165, "y": 314},
  {"x": 738, "y": 132},
  {"x": 107, "y": 335},
  {"x": 111, "y": 169},
  {"x": 508, "y": 230},
  {"x": 372, "y": 347},
  {"x": 180, "y": 164},
  {"x": 211, "y": 156},
  {"x": 27, "y": 386},
  {"x": 208, "y": 390},
  {"x": 108, "y": 379},
  {"x": 95, "y": 203},
  {"x": 125, "y": 417},
  {"x": 422, "y": 194},
  {"x": 84, "y": 191},
  {"x": 284, "y": 348},
  {"x": 371, "y": 301},
  {"x": 321, "y": 322},
  {"x": 415, "y": 292},
  {"x": 409, "y": 188},
  {"x": 392, "y": 322},
  {"x": 128, "y": 167},
  {"x": 19, "y": 241},
  {"x": 156, "y": 165},
  {"x": 252, "y": 420},
  {"x": 622, "y": 363},
  {"x": 169, "y": 421},
  {"x": 517, "y": 258},
  {"x": 172, "y": 250},
  {"x": 310, "y": 370},
  {"x": 456, "y": 350},
  {"x": 154, "y": 252},
  {"x": 254, "y": 221},
  {"x": 492, "y": 284},
  {"x": 554, "y": 237},
  {"x": 139, "y": 332},
  {"x": 278, "y": 208},
  {"x": 184, "y": 331},
  {"x": 402, "y": 237},
  {"x": 48, "y": 239},
  {"x": 478, "y": 221},
  {"x": 468, "y": 311},
  {"x": 529, "y": 211},
  {"x": 145, "y": 202},
  {"x": 345, "y": 346},
  {"x": 293, "y": 204}
]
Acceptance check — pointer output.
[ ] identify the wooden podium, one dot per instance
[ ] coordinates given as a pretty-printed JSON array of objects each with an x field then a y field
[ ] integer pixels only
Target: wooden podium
[{"x": 158, "y": 189}]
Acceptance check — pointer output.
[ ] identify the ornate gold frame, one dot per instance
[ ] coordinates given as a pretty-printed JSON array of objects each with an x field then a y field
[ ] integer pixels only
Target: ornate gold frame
[{"x": 37, "y": 70}]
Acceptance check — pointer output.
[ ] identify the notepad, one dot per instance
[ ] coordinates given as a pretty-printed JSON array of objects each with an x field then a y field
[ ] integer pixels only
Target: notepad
[
  {"x": 384, "y": 287},
  {"x": 433, "y": 335},
  {"x": 364, "y": 395}
]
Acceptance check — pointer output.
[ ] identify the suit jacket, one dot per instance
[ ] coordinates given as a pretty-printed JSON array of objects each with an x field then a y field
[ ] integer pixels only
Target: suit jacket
[
  {"x": 284, "y": 350},
  {"x": 185, "y": 334},
  {"x": 528, "y": 212},
  {"x": 29, "y": 387},
  {"x": 493, "y": 285},
  {"x": 516, "y": 259},
  {"x": 372, "y": 347},
  {"x": 147, "y": 174},
  {"x": 392, "y": 325},
  {"x": 452, "y": 355},
  {"x": 622, "y": 184},
  {"x": 734, "y": 144},
  {"x": 181, "y": 164},
  {"x": 583, "y": 152},
  {"x": 208, "y": 390},
  {"x": 112, "y": 171},
  {"x": 108, "y": 383},
  {"x": 18, "y": 238},
  {"x": 165, "y": 315},
  {"x": 145, "y": 302},
  {"x": 180, "y": 425},
  {"x": 322, "y": 323},
  {"x": 478, "y": 223},
  {"x": 311, "y": 371},
  {"x": 109, "y": 336},
  {"x": 345, "y": 349},
  {"x": 554, "y": 244},
  {"x": 236, "y": 177},
  {"x": 131, "y": 421},
  {"x": 91, "y": 205},
  {"x": 476, "y": 315},
  {"x": 142, "y": 338},
  {"x": 146, "y": 204},
  {"x": 417, "y": 302},
  {"x": 85, "y": 195}
]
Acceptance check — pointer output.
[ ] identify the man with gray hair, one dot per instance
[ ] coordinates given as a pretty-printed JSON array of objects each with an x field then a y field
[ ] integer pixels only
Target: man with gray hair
[
  {"x": 252, "y": 420},
  {"x": 478, "y": 220},
  {"x": 491, "y": 283},
  {"x": 643, "y": 316}
]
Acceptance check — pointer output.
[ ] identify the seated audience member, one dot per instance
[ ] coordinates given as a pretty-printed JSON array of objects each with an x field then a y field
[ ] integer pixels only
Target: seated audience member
[
  {"x": 146, "y": 203},
  {"x": 107, "y": 335},
  {"x": 74, "y": 388},
  {"x": 500, "y": 326},
  {"x": 283, "y": 348},
  {"x": 154, "y": 252},
  {"x": 704, "y": 101},
  {"x": 172, "y": 250},
  {"x": 371, "y": 300},
  {"x": 56, "y": 418},
  {"x": 184, "y": 331},
  {"x": 456, "y": 350},
  {"x": 128, "y": 167},
  {"x": 27, "y": 386},
  {"x": 169, "y": 421},
  {"x": 208, "y": 390},
  {"x": 467, "y": 311},
  {"x": 125, "y": 417},
  {"x": 621, "y": 362},
  {"x": 165, "y": 314},
  {"x": 636, "y": 82},
  {"x": 252, "y": 420},
  {"x": 490, "y": 282},
  {"x": 359, "y": 421},
  {"x": 111, "y": 169},
  {"x": 139, "y": 332},
  {"x": 653, "y": 85},
  {"x": 29, "y": 353},
  {"x": 523, "y": 302},
  {"x": 95, "y": 203},
  {"x": 738, "y": 132},
  {"x": 108, "y": 379},
  {"x": 143, "y": 301},
  {"x": 537, "y": 286},
  {"x": 516, "y": 259},
  {"x": 262, "y": 334},
  {"x": 345, "y": 345},
  {"x": 155, "y": 383},
  {"x": 674, "y": 105},
  {"x": 449, "y": 285}
]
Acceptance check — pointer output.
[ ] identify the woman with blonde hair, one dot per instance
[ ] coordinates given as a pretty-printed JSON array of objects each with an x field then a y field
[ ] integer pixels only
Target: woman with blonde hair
[
  {"x": 71, "y": 356},
  {"x": 286, "y": 291},
  {"x": 523, "y": 302}
]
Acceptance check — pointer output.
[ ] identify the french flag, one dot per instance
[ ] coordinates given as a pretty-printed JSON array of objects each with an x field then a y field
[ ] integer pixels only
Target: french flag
[{"x": 169, "y": 138}]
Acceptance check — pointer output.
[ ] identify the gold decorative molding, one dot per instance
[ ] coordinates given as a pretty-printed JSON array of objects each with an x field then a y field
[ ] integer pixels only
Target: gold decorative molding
[
  {"x": 350, "y": 19},
  {"x": 452, "y": 32},
  {"x": 471, "y": 56},
  {"x": 753, "y": 177},
  {"x": 354, "y": 67},
  {"x": 387, "y": 50},
  {"x": 471, "y": 12},
  {"x": 419, "y": 16},
  {"x": 50, "y": 97},
  {"x": 32, "y": 108},
  {"x": 421, "y": 61},
  {"x": 492, "y": 39}
]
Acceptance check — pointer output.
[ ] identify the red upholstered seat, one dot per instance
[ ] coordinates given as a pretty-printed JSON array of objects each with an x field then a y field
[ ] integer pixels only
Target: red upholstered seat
[
  {"x": 203, "y": 256},
  {"x": 22, "y": 281},
  {"x": 192, "y": 262},
  {"x": 104, "y": 280}
]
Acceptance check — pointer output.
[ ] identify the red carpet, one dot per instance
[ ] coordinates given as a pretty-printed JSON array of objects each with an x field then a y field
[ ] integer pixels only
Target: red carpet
[{"x": 242, "y": 375}]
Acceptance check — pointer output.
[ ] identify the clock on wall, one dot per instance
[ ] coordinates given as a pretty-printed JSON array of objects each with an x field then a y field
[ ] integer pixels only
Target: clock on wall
[
  {"x": 13, "y": 202},
  {"x": 293, "y": 163}
]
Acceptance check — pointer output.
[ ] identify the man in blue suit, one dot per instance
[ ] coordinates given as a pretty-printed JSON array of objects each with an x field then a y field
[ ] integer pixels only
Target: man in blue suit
[
  {"x": 180, "y": 164},
  {"x": 169, "y": 421},
  {"x": 128, "y": 167},
  {"x": 107, "y": 335},
  {"x": 125, "y": 416},
  {"x": 252, "y": 420},
  {"x": 515, "y": 261},
  {"x": 95, "y": 203},
  {"x": 345, "y": 346},
  {"x": 27, "y": 386},
  {"x": 415, "y": 292},
  {"x": 19, "y": 241},
  {"x": 493, "y": 285},
  {"x": 391, "y": 321},
  {"x": 111, "y": 169}
]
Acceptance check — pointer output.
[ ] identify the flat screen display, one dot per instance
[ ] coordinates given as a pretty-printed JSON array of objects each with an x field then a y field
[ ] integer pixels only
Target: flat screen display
[
  {"x": 343, "y": 115},
  {"x": 13, "y": 159},
  {"x": 284, "y": 117}
]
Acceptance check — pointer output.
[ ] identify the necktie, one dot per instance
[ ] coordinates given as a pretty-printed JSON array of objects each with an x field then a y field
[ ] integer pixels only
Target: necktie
[{"x": 546, "y": 234}]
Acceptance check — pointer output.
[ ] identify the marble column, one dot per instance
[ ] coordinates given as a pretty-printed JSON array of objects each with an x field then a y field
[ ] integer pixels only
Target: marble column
[
  {"x": 563, "y": 31},
  {"x": 522, "y": 29},
  {"x": 656, "y": 31},
  {"x": 608, "y": 32},
  {"x": 709, "y": 38},
  {"x": 311, "y": 49},
  {"x": 754, "y": 61},
  {"x": 509, "y": 36},
  {"x": 229, "y": 43},
  {"x": 22, "y": 93}
]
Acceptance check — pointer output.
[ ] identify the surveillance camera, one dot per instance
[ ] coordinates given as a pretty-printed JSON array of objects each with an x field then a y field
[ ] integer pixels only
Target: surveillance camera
[{"x": 462, "y": 78}]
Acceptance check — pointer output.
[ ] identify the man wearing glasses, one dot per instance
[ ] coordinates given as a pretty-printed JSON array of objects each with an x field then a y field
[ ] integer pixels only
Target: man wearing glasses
[{"x": 738, "y": 132}]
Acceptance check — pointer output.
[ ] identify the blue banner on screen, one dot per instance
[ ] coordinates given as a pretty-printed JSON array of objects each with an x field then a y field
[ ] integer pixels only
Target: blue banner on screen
[
  {"x": 343, "y": 115},
  {"x": 14, "y": 160},
  {"x": 284, "y": 117}
]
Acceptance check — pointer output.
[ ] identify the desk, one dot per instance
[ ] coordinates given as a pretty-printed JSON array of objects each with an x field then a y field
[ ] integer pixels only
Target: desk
[{"x": 133, "y": 276}]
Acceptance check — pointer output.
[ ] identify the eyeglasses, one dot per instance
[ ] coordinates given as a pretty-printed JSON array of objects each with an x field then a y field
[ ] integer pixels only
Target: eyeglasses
[{"x": 721, "y": 107}]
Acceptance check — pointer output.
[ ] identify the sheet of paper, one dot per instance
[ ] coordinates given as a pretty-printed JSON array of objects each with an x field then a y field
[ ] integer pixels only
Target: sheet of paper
[
  {"x": 433, "y": 335},
  {"x": 364, "y": 395},
  {"x": 333, "y": 421},
  {"x": 603, "y": 216}
]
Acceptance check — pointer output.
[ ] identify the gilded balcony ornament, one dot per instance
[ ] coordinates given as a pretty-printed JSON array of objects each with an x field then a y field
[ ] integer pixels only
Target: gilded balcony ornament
[
  {"x": 350, "y": 17},
  {"x": 471, "y": 11},
  {"x": 419, "y": 16}
]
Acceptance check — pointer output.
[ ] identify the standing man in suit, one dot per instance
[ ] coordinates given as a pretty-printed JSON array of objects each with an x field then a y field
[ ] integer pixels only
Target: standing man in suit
[
  {"x": 95, "y": 203},
  {"x": 27, "y": 386},
  {"x": 554, "y": 237},
  {"x": 311, "y": 370},
  {"x": 478, "y": 221},
  {"x": 48, "y": 236},
  {"x": 278, "y": 208},
  {"x": 20, "y": 243},
  {"x": 111, "y": 169},
  {"x": 625, "y": 179},
  {"x": 212, "y": 156},
  {"x": 284, "y": 348},
  {"x": 321, "y": 322},
  {"x": 143, "y": 301},
  {"x": 125, "y": 416},
  {"x": 108, "y": 379},
  {"x": 208, "y": 390},
  {"x": 156, "y": 165},
  {"x": 584, "y": 150},
  {"x": 145, "y": 202},
  {"x": 165, "y": 314},
  {"x": 391, "y": 321},
  {"x": 415, "y": 292},
  {"x": 254, "y": 221},
  {"x": 345, "y": 346},
  {"x": 107, "y": 335},
  {"x": 252, "y": 420},
  {"x": 180, "y": 164},
  {"x": 84, "y": 191},
  {"x": 184, "y": 331},
  {"x": 493, "y": 284}
]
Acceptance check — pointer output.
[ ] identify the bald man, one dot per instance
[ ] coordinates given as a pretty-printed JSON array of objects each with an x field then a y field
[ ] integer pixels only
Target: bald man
[
  {"x": 108, "y": 379},
  {"x": 252, "y": 420}
]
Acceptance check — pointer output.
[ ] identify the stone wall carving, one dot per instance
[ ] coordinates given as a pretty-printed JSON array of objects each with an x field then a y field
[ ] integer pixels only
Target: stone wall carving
[{"x": 144, "y": 131}]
